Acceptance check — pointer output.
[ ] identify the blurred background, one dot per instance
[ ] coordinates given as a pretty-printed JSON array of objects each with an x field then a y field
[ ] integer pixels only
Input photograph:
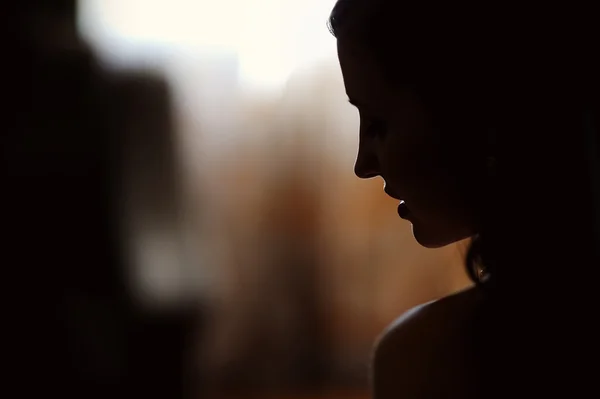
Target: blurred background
[{"x": 182, "y": 191}]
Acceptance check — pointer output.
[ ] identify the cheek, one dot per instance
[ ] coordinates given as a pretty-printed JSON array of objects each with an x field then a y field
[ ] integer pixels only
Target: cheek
[{"x": 409, "y": 164}]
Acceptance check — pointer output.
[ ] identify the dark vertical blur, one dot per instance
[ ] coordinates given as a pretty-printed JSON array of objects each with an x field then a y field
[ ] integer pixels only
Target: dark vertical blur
[{"x": 80, "y": 334}]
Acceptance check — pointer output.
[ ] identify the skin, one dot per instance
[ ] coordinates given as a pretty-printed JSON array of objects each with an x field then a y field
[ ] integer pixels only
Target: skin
[
  {"x": 428, "y": 351},
  {"x": 397, "y": 143},
  {"x": 422, "y": 355}
]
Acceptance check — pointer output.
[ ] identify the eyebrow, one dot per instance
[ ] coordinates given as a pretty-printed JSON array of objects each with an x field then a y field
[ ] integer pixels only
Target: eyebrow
[{"x": 357, "y": 104}]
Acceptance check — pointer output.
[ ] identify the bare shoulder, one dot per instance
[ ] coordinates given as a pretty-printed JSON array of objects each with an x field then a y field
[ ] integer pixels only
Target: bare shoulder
[{"x": 421, "y": 354}]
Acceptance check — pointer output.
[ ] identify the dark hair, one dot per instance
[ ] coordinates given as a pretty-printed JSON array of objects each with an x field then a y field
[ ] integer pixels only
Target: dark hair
[{"x": 523, "y": 81}]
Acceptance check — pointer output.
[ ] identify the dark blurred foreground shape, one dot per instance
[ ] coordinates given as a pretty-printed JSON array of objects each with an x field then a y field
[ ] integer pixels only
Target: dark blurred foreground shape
[{"x": 79, "y": 331}]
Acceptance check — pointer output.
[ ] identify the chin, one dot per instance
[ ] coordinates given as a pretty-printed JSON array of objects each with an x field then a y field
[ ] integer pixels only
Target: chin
[{"x": 432, "y": 238}]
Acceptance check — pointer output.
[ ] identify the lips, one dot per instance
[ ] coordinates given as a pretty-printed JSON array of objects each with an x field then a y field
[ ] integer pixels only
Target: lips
[
  {"x": 389, "y": 192},
  {"x": 403, "y": 210}
]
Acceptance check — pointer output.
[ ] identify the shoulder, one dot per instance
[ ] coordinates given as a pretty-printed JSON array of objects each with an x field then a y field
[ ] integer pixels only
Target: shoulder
[
  {"x": 421, "y": 353},
  {"x": 444, "y": 312}
]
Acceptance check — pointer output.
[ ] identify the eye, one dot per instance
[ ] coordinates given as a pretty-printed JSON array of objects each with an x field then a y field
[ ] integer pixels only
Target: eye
[{"x": 374, "y": 127}]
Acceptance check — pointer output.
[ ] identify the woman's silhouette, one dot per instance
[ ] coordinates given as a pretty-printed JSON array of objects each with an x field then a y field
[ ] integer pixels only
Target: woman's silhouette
[{"x": 481, "y": 124}]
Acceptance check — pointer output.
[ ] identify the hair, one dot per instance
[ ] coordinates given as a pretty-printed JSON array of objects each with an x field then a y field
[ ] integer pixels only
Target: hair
[{"x": 513, "y": 80}]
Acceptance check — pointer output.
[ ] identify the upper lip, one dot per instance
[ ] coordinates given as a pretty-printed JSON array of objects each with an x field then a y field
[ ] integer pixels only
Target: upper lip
[{"x": 389, "y": 192}]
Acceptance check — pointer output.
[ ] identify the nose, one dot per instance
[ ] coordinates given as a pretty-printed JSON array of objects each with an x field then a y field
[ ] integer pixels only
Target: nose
[{"x": 367, "y": 165}]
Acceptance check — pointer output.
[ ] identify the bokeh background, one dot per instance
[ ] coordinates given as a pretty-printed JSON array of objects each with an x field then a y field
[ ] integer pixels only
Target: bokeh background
[{"x": 252, "y": 261}]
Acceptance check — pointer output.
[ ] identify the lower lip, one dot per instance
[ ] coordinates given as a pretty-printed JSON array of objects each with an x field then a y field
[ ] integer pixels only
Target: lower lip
[{"x": 403, "y": 210}]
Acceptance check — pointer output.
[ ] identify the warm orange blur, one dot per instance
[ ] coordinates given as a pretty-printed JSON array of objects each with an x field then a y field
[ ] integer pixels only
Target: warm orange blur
[{"x": 241, "y": 220}]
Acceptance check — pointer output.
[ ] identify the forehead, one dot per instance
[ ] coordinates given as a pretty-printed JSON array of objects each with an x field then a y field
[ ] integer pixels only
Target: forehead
[
  {"x": 353, "y": 17},
  {"x": 363, "y": 76}
]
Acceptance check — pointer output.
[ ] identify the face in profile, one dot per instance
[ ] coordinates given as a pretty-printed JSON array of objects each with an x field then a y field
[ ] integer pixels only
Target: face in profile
[{"x": 398, "y": 142}]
